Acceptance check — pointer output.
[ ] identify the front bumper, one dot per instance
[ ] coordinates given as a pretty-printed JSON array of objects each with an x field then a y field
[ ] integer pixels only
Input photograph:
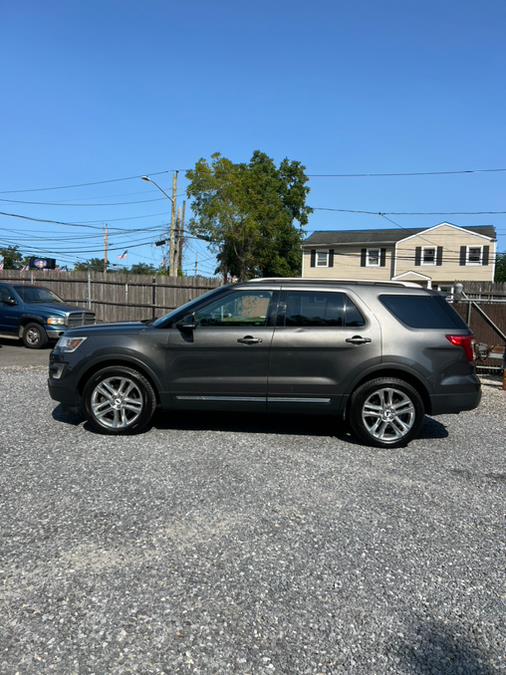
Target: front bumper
[
  {"x": 62, "y": 381},
  {"x": 54, "y": 332}
]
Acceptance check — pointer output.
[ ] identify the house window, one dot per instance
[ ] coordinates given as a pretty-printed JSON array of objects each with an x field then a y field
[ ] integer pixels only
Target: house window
[
  {"x": 372, "y": 257},
  {"x": 322, "y": 258},
  {"x": 474, "y": 255},
  {"x": 428, "y": 255}
]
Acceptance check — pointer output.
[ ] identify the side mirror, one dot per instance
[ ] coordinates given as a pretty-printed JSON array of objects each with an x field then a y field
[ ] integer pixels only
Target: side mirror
[
  {"x": 187, "y": 323},
  {"x": 10, "y": 301}
]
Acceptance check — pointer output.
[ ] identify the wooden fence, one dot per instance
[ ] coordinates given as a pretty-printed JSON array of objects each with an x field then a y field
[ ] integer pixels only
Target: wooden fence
[
  {"x": 117, "y": 296},
  {"x": 485, "y": 290},
  {"x": 129, "y": 297}
]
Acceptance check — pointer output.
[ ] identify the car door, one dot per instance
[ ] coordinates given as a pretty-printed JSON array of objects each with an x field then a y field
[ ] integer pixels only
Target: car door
[
  {"x": 322, "y": 339},
  {"x": 9, "y": 314},
  {"x": 218, "y": 356}
]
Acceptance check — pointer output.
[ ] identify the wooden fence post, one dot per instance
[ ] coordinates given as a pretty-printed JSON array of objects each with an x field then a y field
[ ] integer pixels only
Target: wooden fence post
[
  {"x": 89, "y": 289},
  {"x": 153, "y": 297}
]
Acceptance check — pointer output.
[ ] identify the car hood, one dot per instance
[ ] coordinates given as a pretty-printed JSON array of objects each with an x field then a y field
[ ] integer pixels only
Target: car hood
[
  {"x": 107, "y": 329},
  {"x": 57, "y": 308}
]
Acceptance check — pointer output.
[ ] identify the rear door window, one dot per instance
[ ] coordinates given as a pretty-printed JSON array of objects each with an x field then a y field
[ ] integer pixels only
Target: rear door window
[
  {"x": 319, "y": 308},
  {"x": 423, "y": 311}
]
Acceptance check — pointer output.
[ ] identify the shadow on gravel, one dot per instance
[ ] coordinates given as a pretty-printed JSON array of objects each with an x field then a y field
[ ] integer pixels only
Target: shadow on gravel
[
  {"x": 264, "y": 423},
  {"x": 435, "y": 649},
  {"x": 253, "y": 423},
  {"x": 66, "y": 415}
]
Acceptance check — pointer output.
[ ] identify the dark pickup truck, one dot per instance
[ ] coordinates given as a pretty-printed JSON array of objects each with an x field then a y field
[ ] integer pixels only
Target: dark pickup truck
[{"x": 36, "y": 315}]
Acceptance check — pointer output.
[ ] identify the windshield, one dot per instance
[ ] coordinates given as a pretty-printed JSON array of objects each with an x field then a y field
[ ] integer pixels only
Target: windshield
[
  {"x": 31, "y": 294},
  {"x": 161, "y": 321}
]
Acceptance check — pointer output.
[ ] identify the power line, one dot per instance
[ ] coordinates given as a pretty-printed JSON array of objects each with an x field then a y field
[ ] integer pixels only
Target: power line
[
  {"x": 411, "y": 213},
  {"x": 140, "y": 201},
  {"x": 61, "y": 222},
  {"x": 95, "y": 182},
  {"x": 403, "y": 173}
]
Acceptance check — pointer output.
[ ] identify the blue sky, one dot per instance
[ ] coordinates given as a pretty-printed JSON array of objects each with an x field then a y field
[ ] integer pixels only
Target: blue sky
[{"x": 112, "y": 88}]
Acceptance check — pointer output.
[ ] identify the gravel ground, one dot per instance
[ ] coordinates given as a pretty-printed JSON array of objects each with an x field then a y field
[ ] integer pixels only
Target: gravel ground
[{"x": 248, "y": 544}]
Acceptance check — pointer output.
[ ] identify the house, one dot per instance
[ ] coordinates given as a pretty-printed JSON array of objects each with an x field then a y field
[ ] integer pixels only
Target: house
[{"x": 435, "y": 257}]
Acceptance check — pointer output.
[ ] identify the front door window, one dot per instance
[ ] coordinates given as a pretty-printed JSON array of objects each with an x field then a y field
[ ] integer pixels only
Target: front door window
[{"x": 240, "y": 309}]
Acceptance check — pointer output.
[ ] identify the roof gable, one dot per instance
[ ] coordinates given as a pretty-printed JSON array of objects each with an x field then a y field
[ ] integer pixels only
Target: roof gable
[{"x": 384, "y": 236}]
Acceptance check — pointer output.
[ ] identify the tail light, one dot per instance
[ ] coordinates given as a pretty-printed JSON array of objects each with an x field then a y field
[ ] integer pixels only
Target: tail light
[{"x": 464, "y": 341}]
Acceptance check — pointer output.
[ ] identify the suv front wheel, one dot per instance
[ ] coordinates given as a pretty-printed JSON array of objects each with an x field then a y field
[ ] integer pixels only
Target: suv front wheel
[
  {"x": 119, "y": 400},
  {"x": 34, "y": 336},
  {"x": 386, "y": 412}
]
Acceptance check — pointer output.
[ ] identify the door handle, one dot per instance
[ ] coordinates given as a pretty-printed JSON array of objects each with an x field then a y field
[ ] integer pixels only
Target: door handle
[
  {"x": 358, "y": 340},
  {"x": 249, "y": 340}
]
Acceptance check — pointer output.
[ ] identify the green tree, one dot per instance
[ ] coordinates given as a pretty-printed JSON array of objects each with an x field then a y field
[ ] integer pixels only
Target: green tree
[
  {"x": 248, "y": 213},
  {"x": 500, "y": 268},
  {"x": 12, "y": 257},
  {"x": 93, "y": 264},
  {"x": 143, "y": 268}
]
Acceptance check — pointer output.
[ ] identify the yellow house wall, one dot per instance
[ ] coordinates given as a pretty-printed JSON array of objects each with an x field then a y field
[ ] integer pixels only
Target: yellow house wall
[
  {"x": 451, "y": 239},
  {"x": 347, "y": 264}
]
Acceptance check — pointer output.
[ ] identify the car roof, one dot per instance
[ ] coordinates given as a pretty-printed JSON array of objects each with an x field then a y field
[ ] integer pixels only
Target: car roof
[{"x": 299, "y": 281}]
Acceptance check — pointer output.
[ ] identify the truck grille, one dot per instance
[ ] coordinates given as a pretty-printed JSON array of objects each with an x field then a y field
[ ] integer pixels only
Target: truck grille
[{"x": 80, "y": 319}]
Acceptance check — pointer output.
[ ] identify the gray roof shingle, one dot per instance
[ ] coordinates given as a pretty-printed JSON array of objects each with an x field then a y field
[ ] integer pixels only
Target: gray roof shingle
[{"x": 389, "y": 236}]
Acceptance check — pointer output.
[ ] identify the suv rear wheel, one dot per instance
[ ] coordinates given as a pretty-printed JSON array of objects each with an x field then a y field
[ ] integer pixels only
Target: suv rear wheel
[
  {"x": 386, "y": 412},
  {"x": 119, "y": 400}
]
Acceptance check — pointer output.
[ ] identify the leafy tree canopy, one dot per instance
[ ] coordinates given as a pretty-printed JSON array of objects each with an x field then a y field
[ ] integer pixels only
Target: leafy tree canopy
[
  {"x": 143, "y": 268},
  {"x": 93, "y": 264},
  {"x": 248, "y": 213},
  {"x": 500, "y": 268},
  {"x": 12, "y": 257}
]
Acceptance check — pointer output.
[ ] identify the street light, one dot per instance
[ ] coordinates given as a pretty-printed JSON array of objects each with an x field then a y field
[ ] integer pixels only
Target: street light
[
  {"x": 172, "y": 231},
  {"x": 150, "y": 180}
]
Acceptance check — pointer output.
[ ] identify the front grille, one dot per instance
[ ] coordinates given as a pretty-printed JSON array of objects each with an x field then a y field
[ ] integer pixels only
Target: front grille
[{"x": 80, "y": 319}]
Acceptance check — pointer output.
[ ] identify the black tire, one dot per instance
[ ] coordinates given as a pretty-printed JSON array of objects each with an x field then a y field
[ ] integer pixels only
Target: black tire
[
  {"x": 34, "y": 336},
  {"x": 371, "y": 391},
  {"x": 114, "y": 374}
]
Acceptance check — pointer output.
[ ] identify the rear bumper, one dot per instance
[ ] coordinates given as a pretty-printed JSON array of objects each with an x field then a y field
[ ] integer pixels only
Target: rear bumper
[{"x": 466, "y": 398}]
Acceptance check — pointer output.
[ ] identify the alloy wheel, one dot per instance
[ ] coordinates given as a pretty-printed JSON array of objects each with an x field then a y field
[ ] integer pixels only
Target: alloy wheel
[
  {"x": 32, "y": 336},
  {"x": 388, "y": 414},
  {"x": 116, "y": 402}
]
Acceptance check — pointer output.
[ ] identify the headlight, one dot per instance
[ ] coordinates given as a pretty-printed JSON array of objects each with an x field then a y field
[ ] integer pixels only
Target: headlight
[
  {"x": 56, "y": 321},
  {"x": 69, "y": 344}
]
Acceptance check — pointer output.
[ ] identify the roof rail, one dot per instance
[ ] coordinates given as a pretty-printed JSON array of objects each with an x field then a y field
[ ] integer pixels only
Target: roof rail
[{"x": 325, "y": 280}]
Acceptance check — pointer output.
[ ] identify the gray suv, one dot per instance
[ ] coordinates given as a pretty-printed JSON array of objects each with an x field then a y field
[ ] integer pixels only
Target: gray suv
[{"x": 378, "y": 355}]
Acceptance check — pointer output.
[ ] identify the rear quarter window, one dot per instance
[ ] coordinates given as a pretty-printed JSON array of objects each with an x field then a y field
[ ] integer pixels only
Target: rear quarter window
[{"x": 423, "y": 311}]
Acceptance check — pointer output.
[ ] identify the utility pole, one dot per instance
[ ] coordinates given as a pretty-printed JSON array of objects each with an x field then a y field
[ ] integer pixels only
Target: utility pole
[
  {"x": 180, "y": 239},
  {"x": 172, "y": 237},
  {"x": 196, "y": 264},
  {"x": 106, "y": 248}
]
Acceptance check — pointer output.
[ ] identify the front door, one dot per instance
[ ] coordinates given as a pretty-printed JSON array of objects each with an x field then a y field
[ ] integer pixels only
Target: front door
[
  {"x": 322, "y": 338},
  {"x": 220, "y": 358},
  {"x": 9, "y": 314}
]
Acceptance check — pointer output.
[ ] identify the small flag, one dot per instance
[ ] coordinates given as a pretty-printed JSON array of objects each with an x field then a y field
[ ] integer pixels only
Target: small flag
[{"x": 123, "y": 256}]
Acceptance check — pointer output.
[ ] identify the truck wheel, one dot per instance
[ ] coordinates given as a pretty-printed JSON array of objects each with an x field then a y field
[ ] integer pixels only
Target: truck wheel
[
  {"x": 34, "y": 336},
  {"x": 386, "y": 412},
  {"x": 119, "y": 400}
]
